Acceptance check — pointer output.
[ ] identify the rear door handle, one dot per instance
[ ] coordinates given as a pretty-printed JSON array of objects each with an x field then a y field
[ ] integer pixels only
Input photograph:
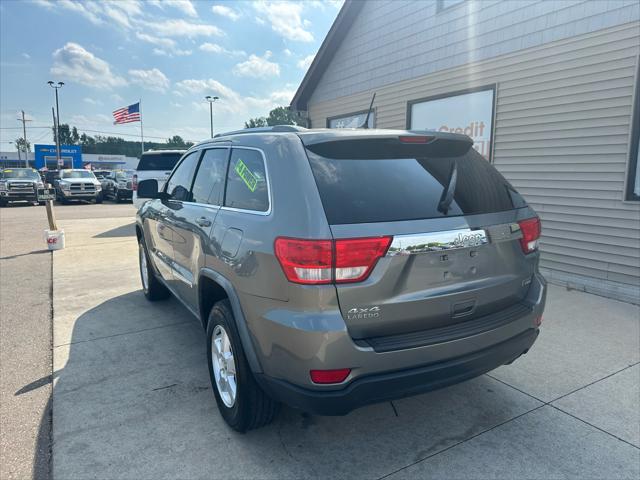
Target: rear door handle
[{"x": 203, "y": 222}]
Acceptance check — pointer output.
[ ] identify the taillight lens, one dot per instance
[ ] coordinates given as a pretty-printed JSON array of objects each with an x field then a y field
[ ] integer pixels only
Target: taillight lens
[
  {"x": 329, "y": 376},
  {"x": 325, "y": 261},
  {"x": 134, "y": 183},
  {"x": 305, "y": 261},
  {"x": 530, "y": 229},
  {"x": 356, "y": 257}
]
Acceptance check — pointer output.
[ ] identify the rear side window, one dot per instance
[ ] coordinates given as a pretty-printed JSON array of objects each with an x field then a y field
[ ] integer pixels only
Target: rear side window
[
  {"x": 158, "y": 161},
  {"x": 247, "y": 181},
  {"x": 208, "y": 187},
  {"x": 364, "y": 190},
  {"x": 179, "y": 185}
]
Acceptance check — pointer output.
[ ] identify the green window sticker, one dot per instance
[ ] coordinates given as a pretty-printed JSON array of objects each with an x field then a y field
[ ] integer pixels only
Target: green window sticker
[{"x": 246, "y": 175}]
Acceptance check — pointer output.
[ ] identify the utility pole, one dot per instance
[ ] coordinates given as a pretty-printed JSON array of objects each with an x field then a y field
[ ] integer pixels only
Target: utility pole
[
  {"x": 56, "y": 118},
  {"x": 24, "y": 136}
]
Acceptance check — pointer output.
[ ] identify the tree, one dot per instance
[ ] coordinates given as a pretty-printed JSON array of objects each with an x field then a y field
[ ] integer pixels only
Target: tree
[
  {"x": 23, "y": 145},
  {"x": 255, "y": 122},
  {"x": 284, "y": 116},
  {"x": 277, "y": 116},
  {"x": 67, "y": 136},
  {"x": 178, "y": 143}
]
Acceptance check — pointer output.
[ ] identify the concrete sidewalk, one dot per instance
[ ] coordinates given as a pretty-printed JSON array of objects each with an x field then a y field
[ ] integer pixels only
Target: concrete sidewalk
[{"x": 132, "y": 397}]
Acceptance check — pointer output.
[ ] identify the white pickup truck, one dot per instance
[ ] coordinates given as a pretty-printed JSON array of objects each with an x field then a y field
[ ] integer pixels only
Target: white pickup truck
[{"x": 154, "y": 164}]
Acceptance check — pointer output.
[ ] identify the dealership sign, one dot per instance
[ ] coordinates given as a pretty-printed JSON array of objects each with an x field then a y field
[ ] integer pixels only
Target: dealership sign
[
  {"x": 70, "y": 156},
  {"x": 469, "y": 113}
]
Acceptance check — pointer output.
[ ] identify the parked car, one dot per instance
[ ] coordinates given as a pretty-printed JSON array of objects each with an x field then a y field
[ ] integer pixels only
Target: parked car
[
  {"x": 118, "y": 185},
  {"x": 19, "y": 185},
  {"x": 155, "y": 164},
  {"x": 77, "y": 184},
  {"x": 336, "y": 268},
  {"x": 101, "y": 174}
]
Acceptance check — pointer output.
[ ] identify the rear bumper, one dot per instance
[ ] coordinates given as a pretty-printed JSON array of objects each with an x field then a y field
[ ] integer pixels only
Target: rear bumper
[{"x": 393, "y": 385}]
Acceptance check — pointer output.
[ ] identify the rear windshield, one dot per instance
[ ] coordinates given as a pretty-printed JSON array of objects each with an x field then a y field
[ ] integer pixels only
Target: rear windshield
[
  {"x": 365, "y": 190},
  {"x": 158, "y": 161}
]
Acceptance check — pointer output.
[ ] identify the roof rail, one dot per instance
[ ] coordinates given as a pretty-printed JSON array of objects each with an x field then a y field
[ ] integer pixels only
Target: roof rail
[{"x": 275, "y": 128}]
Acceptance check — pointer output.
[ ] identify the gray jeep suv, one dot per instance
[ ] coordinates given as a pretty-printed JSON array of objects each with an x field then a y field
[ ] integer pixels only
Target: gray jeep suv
[{"x": 336, "y": 268}]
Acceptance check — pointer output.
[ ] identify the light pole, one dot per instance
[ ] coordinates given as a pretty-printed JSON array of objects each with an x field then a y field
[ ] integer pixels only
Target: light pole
[
  {"x": 211, "y": 99},
  {"x": 56, "y": 87}
]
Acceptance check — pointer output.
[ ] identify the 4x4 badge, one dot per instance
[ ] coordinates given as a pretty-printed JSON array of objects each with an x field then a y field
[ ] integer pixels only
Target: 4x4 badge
[{"x": 358, "y": 312}]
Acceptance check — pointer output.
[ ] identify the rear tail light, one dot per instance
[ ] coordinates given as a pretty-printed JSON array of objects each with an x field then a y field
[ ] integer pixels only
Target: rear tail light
[
  {"x": 327, "y": 261},
  {"x": 305, "y": 261},
  {"x": 356, "y": 257},
  {"x": 134, "y": 183},
  {"x": 329, "y": 376},
  {"x": 530, "y": 229}
]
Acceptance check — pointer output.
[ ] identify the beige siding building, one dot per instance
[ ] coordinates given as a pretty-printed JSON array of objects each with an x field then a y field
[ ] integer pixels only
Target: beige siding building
[{"x": 547, "y": 89}]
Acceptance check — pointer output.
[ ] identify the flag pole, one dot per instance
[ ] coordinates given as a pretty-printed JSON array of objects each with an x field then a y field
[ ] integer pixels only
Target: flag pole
[{"x": 141, "y": 134}]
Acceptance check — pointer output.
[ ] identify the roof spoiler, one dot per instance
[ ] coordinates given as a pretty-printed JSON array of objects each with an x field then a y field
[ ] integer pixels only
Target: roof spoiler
[{"x": 405, "y": 144}]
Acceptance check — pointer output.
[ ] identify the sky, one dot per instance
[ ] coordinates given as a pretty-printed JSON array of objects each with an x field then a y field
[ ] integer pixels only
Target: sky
[{"x": 168, "y": 53}]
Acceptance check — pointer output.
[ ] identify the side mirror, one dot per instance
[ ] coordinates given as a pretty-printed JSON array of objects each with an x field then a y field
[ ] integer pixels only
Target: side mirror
[{"x": 149, "y": 189}]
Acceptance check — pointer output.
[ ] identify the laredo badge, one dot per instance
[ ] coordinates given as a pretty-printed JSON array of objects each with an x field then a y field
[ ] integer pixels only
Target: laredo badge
[{"x": 246, "y": 175}]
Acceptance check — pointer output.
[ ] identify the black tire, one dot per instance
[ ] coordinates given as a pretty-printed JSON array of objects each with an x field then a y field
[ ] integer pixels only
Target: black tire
[
  {"x": 42, "y": 203},
  {"x": 99, "y": 199},
  {"x": 252, "y": 408},
  {"x": 154, "y": 290},
  {"x": 3, "y": 202}
]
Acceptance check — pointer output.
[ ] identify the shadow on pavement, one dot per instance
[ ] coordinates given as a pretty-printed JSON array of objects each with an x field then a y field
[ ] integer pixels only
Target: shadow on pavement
[
  {"x": 11, "y": 257},
  {"x": 122, "y": 231},
  {"x": 134, "y": 400}
]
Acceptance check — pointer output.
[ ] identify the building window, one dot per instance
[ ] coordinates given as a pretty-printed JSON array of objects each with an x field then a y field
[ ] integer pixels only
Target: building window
[
  {"x": 444, "y": 4},
  {"x": 352, "y": 120},
  {"x": 469, "y": 112},
  {"x": 633, "y": 180}
]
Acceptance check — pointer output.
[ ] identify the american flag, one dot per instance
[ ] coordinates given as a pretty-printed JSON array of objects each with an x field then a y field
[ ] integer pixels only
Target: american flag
[{"x": 127, "y": 114}]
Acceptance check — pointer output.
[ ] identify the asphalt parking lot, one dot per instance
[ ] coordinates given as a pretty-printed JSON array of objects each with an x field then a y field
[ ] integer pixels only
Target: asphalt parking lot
[{"x": 132, "y": 399}]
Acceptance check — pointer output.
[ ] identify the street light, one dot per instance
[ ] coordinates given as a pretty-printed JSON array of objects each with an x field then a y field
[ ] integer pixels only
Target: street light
[
  {"x": 56, "y": 87},
  {"x": 211, "y": 99}
]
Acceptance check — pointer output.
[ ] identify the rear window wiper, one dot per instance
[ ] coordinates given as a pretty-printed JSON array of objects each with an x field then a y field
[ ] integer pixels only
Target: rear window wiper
[{"x": 447, "y": 194}]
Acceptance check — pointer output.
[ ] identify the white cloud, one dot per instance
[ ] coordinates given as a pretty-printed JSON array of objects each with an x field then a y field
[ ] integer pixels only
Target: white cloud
[
  {"x": 287, "y": 52},
  {"x": 91, "y": 101},
  {"x": 26, "y": 55},
  {"x": 215, "y": 48},
  {"x": 183, "y": 28},
  {"x": 257, "y": 67},
  {"x": 306, "y": 62},
  {"x": 230, "y": 100},
  {"x": 171, "y": 53},
  {"x": 225, "y": 11},
  {"x": 153, "y": 79},
  {"x": 185, "y": 6},
  {"x": 116, "y": 98},
  {"x": 285, "y": 19},
  {"x": 75, "y": 63},
  {"x": 163, "y": 42}
]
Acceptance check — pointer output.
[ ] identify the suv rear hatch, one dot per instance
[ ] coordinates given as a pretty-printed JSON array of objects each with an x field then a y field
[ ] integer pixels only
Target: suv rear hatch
[{"x": 456, "y": 251}]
